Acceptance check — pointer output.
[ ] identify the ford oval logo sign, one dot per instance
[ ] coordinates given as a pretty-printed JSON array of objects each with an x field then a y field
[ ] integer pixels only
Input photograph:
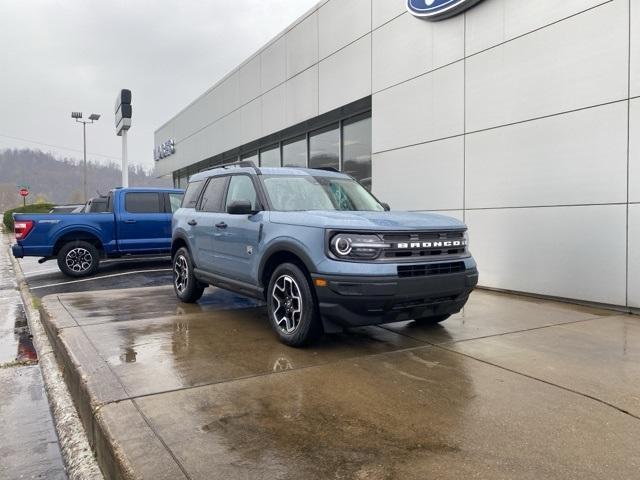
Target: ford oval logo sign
[{"x": 438, "y": 9}]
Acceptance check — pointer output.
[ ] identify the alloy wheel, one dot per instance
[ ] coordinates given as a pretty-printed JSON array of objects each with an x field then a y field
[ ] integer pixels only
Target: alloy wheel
[
  {"x": 79, "y": 259},
  {"x": 181, "y": 273},
  {"x": 287, "y": 304}
]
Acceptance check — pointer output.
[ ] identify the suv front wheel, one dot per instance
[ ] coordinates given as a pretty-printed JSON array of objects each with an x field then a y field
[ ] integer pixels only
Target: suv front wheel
[
  {"x": 188, "y": 289},
  {"x": 292, "y": 306}
]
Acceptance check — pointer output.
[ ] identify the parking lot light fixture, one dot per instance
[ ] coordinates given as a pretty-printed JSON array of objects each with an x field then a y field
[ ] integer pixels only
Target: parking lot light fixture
[{"x": 78, "y": 118}]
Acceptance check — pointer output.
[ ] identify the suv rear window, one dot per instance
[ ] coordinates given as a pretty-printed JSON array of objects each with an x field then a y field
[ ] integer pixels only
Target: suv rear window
[
  {"x": 143, "y": 202},
  {"x": 191, "y": 195}
]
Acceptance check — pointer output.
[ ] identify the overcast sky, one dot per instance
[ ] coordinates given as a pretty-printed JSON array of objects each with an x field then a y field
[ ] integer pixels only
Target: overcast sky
[{"x": 59, "y": 56}]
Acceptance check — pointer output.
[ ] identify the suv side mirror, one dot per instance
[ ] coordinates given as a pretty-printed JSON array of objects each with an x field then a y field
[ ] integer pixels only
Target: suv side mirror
[
  {"x": 385, "y": 206},
  {"x": 240, "y": 207}
]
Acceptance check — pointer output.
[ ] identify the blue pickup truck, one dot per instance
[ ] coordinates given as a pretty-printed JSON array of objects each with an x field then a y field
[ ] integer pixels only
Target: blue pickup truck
[{"x": 137, "y": 222}]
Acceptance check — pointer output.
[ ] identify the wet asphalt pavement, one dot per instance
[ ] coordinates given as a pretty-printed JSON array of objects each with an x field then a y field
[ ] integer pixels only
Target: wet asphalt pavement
[
  {"x": 29, "y": 445},
  {"x": 46, "y": 279},
  {"x": 510, "y": 388}
]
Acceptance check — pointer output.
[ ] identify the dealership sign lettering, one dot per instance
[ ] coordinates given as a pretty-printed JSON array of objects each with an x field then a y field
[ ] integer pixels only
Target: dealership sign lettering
[
  {"x": 438, "y": 9},
  {"x": 164, "y": 150}
]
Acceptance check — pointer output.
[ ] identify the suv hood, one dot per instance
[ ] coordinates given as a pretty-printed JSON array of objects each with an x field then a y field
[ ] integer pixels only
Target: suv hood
[{"x": 378, "y": 221}]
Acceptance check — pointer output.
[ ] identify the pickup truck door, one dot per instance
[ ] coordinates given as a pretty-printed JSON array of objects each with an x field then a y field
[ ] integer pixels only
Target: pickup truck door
[
  {"x": 142, "y": 223},
  {"x": 206, "y": 215},
  {"x": 237, "y": 236}
]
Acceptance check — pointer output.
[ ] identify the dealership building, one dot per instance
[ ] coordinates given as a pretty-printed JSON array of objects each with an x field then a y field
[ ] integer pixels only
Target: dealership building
[{"x": 521, "y": 118}]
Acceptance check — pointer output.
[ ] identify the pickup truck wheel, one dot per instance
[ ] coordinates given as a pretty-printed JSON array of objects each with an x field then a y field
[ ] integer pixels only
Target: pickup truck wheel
[
  {"x": 292, "y": 307},
  {"x": 432, "y": 320},
  {"x": 78, "y": 259},
  {"x": 188, "y": 289}
]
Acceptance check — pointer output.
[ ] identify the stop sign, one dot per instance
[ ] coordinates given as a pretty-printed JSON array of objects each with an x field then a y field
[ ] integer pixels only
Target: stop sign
[{"x": 24, "y": 192}]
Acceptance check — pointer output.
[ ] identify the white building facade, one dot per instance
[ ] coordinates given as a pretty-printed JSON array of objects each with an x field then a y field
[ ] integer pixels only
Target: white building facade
[{"x": 520, "y": 117}]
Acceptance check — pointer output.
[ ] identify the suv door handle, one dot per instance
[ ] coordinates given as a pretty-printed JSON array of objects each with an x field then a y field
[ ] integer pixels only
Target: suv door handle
[
  {"x": 130, "y": 221},
  {"x": 193, "y": 223},
  {"x": 221, "y": 225}
]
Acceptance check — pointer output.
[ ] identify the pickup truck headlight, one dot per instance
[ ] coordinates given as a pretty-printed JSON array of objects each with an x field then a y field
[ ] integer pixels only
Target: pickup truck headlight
[{"x": 354, "y": 246}]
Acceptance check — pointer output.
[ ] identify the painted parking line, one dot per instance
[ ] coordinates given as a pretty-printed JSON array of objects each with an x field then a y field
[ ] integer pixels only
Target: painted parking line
[{"x": 100, "y": 278}]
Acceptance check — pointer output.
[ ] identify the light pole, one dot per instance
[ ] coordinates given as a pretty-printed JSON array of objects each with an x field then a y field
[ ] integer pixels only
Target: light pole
[{"x": 94, "y": 117}]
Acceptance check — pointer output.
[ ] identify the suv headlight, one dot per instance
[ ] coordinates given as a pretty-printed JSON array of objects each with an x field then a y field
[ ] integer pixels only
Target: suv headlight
[{"x": 351, "y": 246}]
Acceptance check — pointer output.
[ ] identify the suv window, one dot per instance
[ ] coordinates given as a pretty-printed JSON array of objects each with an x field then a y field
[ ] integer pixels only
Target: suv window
[
  {"x": 191, "y": 195},
  {"x": 143, "y": 202},
  {"x": 241, "y": 188},
  {"x": 214, "y": 195}
]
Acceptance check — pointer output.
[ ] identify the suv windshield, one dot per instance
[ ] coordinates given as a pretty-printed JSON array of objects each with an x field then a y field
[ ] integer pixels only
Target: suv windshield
[{"x": 299, "y": 193}]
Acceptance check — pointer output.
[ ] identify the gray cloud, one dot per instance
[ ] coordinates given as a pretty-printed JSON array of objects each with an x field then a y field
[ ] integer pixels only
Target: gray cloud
[{"x": 59, "y": 56}]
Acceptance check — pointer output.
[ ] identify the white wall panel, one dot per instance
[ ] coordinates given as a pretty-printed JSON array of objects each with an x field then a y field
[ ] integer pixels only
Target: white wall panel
[
  {"x": 251, "y": 121},
  {"x": 385, "y": 10},
  {"x": 301, "y": 94},
  {"x": 423, "y": 177},
  {"x": 249, "y": 78},
  {"x": 302, "y": 45},
  {"x": 634, "y": 255},
  {"x": 574, "y": 158},
  {"x": 578, "y": 62},
  {"x": 634, "y": 150},
  {"x": 352, "y": 62},
  {"x": 408, "y": 46},
  {"x": 341, "y": 22},
  {"x": 571, "y": 252},
  {"x": 495, "y": 21},
  {"x": 427, "y": 108},
  {"x": 635, "y": 48},
  {"x": 273, "y": 110},
  {"x": 274, "y": 64}
]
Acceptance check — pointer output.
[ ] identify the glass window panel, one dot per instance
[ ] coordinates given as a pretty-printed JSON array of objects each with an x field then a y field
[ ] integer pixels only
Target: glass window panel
[
  {"x": 143, "y": 202},
  {"x": 270, "y": 157},
  {"x": 324, "y": 148},
  {"x": 294, "y": 152},
  {"x": 241, "y": 188},
  {"x": 214, "y": 195},
  {"x": 175, "y": 200},
  {"x": 193, "y": 192},
  {"x": 356, "y": 150}
]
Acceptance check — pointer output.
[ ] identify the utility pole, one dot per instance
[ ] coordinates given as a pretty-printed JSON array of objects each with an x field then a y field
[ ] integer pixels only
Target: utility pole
[{"x": 94, "y": 117}]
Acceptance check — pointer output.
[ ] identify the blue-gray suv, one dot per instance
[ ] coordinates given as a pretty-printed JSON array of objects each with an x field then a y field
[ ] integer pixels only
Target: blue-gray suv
[{"x": 320, "y": 249}]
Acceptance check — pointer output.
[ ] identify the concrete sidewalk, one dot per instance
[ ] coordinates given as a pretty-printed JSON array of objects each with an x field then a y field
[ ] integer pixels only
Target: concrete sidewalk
[
  {"x": 513, "y": 387},
  {"x": 29, "y": 445}
]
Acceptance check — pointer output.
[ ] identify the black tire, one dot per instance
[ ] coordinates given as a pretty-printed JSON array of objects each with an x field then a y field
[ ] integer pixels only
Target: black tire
[
  {"x": 78, "y": 259},
  {"x": 434, "y": 319},
  {"x": 290, "y": 290},
  {"x": 188, "y": 289}
]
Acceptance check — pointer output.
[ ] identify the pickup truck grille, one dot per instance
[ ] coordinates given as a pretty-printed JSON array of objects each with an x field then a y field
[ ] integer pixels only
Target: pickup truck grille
[
  {"x": 405, "y": 271},
  {"x": 424, "y": 245}
]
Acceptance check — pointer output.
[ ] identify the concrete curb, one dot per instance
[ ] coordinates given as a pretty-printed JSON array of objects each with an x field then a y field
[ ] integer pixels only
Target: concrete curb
[{"x": 76, "y": 452}]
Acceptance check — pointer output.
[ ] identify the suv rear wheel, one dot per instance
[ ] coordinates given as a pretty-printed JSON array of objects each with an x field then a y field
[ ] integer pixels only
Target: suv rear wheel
[
  {"x": 292, "y": 306},
  {"x": 188, "y": 289}
]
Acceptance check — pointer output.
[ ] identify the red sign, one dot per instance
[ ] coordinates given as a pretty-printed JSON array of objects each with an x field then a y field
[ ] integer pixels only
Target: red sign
[{"x": 24, "y": 192}]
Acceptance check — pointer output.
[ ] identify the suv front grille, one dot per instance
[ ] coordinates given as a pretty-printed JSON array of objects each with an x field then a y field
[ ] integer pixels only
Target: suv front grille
[
  {"x": 416, "y": 245},
  {"x": 405, "y": 271}
]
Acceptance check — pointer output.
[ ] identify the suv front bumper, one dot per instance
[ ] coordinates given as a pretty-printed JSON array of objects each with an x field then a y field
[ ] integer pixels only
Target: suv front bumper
[{"x": 359, "y": 301}]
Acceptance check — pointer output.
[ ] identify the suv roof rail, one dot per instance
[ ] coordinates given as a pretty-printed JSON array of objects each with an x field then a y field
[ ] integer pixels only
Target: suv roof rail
[
  {"x": 240, "y": 163},
  {"x": 327, "y": 169}
]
